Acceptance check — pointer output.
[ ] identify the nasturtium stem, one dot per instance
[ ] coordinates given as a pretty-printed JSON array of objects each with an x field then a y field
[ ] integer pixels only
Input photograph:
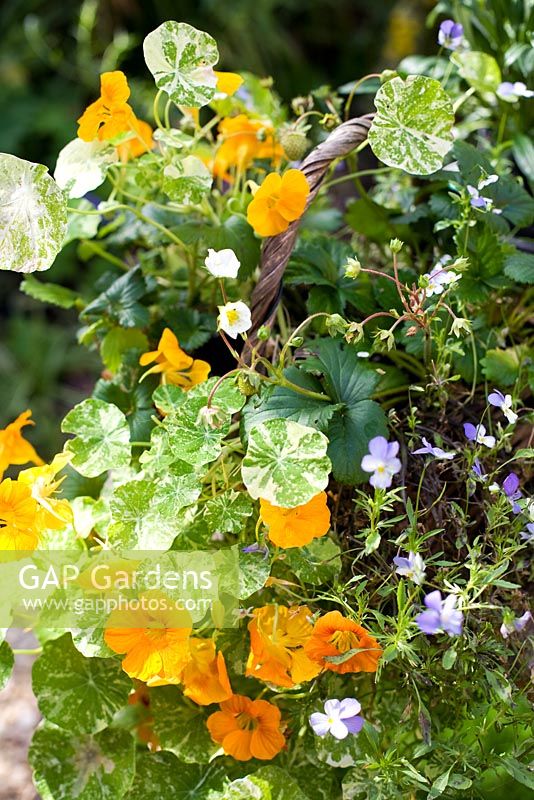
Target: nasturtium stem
[
  {"x": 100, "y": 251},
  {"x": 157, "y": 118}
]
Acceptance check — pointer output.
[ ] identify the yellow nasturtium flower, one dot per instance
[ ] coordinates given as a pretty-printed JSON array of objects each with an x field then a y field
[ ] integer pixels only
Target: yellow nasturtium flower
[
  {"x": 18, "y": 517},
  {"x": 53, "y": 513},
  {"x": 228, "y": 82},
  {"x": 175, "y": 366},
  {"x": 141, "y": 143},
  {"x": 14, "y": 449},
  {"x": 242, "y": 140},
  {"x": 110, "y": 115},
  {"x": 280, "y": 199}
]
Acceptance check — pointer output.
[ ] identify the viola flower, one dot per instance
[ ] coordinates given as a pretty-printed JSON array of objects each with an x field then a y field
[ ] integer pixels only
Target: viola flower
[
  {"x": 478, "y": 470},
  {"x": 277, "y": 638},
  {"x": 14, "y": 449},
  {"x": 504, "y": 402},
  {"x": 242, "y": 141},
  {"x": 480, "y": 202},
  {"x": 450, "y": 34},
  {"x": 228, "y": 82},
  {"x": 340, "y": 718},
  {"x": 382, "y": 461},
  {"x": 441, "y": 615},
  {"x": 515, "y": 625},
  {"x": 234, "y": 318},
  {"x": 412, "y": 567},
  {"x": 437, "y": 452},
  {"x": 141, "y": 143},
  {"x": 157, "y": 650},
  {"x": 247, "y": 728},
  {"x": 528, "y": 535},
  {"x": 510, "y": 487},
  {"x": 439, "y": 279},
  {"x": 205, "y": 678},
  {"x": 333, "y": 639},
  {"x": 513, "y": 92},
  {"x": 298, "y": 526},
  {"x": 18, "y": 516},
  {"x": 222, "y": 263},
  {"x": 52, "y": 513},
  {"x": 175, "y": 366},
  {"x": 110, "y": 115},
  {"x": 257, "y": 548},
  {"x": 280, "y": 200},
  {"x": 478, "y": 434}
]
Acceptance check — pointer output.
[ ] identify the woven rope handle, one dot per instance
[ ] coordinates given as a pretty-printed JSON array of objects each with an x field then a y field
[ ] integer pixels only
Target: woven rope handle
[{"x": 277, "y": 249}]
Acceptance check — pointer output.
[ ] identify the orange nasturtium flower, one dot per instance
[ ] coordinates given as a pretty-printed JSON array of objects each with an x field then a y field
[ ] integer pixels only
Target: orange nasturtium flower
[
  {"x": 14, "y": 449},
  {"x": 18, "y": 514},
  {"x": 243, "y": 140},
  {"x": 141, "y": 143},
  {"x": 110, "y": 114},
  {"x": 175, "y": 366},
  {"x": 334, "y": 636},
  {"x": 280, "y": 199},
  {"x": 140, "y": 699},
  {"x": 296, "y": 527},
  {"x": 228, "y": 82},
  {"x": 205, "y": 678},
  {"x": 277, "y": 638},
  {"x": 247, "y": 728},
  {"x": 52, "y": 512},
  {"x": 156, "y": 649}
]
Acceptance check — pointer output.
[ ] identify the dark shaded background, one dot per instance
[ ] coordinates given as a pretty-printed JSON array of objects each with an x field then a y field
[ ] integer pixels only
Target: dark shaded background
[{"x": 51, "y": 55}]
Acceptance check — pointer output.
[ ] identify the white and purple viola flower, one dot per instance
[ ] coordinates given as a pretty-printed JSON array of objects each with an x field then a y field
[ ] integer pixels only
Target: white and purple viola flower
[
  {"x": 382, "y": 461},
  {"x": 479, "y": 201},
  {"x": 432, "y": 450},
  {"x": 477, "y": 433},
  {"x": 340, "y": 718},
  {"x": 450, "y": 34},
  {"x": 528, "y": 535},
  {"x": 515, "y": 625},
  {"x": 504, "y": 402},
  {"x": 440, "y": 615},
  {"x": 412, "y": 567},
  {"x": 513, "y": 92}
]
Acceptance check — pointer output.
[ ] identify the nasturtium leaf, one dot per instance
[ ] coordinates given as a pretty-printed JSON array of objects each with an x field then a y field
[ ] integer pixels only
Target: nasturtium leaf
[
  {"x": 78, "y": 694},
  {"x": 181, "y": 726},
  {"x": 338, "y": 752},
  {"x": 412, "y": 129},
  {"x": 186, "y": 180},
  {"x": 181, "y": 60},
  {"x": 285, "y": 463},
  {"x": 49, "y": 292},
  {"x": 480, "y": 70},
  {"x": 146, "y": 513},
  {"x": 227, "y": 512},
  {"x": 102, "y": 437},
  {"x": 33, "y": 216},
  {"x": 160, "y": 776},
  {"x": 81, "y": 166},
  {"x": 117, "y": 341},
  {"x": 316, "y": 563},
  {"x": 80, "y": 225},
  {"x": 6, "y": 663},
  {"x": 85, "y": 767},
  {"x": 254, "y": 569},
  {"x": 283, "y": 786}
]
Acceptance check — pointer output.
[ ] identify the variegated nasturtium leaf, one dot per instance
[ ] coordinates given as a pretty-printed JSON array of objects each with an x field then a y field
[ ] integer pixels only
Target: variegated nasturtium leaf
[
  {"x": 76, "y": 693},
  {"x": 181, "y": 726},
  {"x": 480, "y": 70},
  {"x": 281, "y": 784},
  {"x": 81, "y": 166},
  {"x": 412, "y": 128},
  {"x": 33, "y": 216},
  {"x": 181, "y": 60},
  {"x": 227, "y": 512},
  {"x": 254, "y": 569},
  {"x": 6, "y": 663},
  {"x": 316, "y": 563},
  {"x": 186, "y": 180},
  {"x": 82, "y": 767},
  {"x": 160, "y": 776},
  {"x": 285, "y": 463},
  {"x": 146, "y": 513},
  {"x": 102, "y": 437}
]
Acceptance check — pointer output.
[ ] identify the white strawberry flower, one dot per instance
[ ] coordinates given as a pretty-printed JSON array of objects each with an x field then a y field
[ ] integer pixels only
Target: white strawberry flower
[
  {"x": 222, "y": 263},
  {"x": 234, "y": 318}
]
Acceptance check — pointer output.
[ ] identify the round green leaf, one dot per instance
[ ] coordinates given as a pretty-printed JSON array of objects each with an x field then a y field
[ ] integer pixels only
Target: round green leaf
[
  {"x": 412, "y": 129},
  {"x": 99, "y": 767},
  {"x": 102, "y": 438},
  {"x": 186, "y": 180},
  {"x": 160, "y": 776},
  {"x": 33, "y": 216},
  {"x": 76, "y": 693},
  {"x": 180, "y": 726},
  {"x": 480, "y": 70},
  {"x": 228, "y": 512},
  {"x": 7, "y": 661},
  {"x": 81, "y": 166},
  {"x": 181, "y": 59},
  {"x": 285, "y": 463}
]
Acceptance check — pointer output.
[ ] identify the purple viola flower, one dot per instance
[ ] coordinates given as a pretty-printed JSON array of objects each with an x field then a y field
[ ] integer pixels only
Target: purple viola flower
[
  {"x": 450, "y": 34},
  {"x": 510, "y": 487},
  {"x": 382, "y": 461},
  {"x": 256, "y": 548},
  {"x": 479, "y": 470},
  {"x": 437, "y": 452},
  {"x": 340, "y": 718},
  {"x": 412, "y": 567},
  {"x": 478, "y": 434},
  {"x": 504, "y": 402},
  {"x": 512, "y": 92},
  {"x": 441, "y": 615},
  {"x": 528, "y": 535},
  {"x": 515, "y": 625}
]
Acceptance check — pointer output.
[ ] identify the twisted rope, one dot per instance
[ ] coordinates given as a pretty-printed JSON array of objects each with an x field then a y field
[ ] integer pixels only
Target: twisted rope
[{"x": 277, "y": 250}]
